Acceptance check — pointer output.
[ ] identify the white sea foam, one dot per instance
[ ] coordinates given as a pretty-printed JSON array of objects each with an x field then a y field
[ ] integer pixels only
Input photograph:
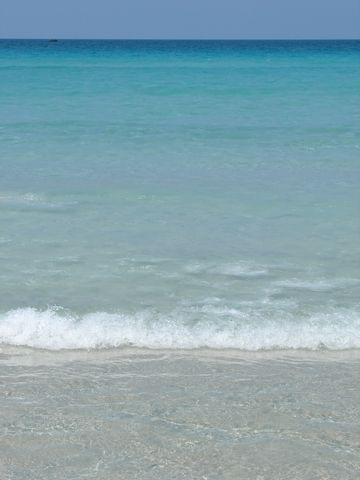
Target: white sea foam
[
  {"x": 53, "y": 329},
  {"x": 32, "y": 201},
  {"x": 241, "y": 269},
  {"x": 318, "y": 285},
  {"x": 20, "y": 198}
]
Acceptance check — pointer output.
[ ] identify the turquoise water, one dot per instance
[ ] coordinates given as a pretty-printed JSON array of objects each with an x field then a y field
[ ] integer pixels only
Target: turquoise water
[{"x": 180, "y": 194}]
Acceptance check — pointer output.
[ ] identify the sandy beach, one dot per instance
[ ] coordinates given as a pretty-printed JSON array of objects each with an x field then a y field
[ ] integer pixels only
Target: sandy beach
[{"x": 142, "y": 414}]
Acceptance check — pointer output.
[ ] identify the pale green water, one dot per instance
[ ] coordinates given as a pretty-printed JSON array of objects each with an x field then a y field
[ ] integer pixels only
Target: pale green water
[{"x": 193, "y": 193}]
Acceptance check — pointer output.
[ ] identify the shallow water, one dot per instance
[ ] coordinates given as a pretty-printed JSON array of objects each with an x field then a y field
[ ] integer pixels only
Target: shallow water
[{"x": 185, "y": 415}]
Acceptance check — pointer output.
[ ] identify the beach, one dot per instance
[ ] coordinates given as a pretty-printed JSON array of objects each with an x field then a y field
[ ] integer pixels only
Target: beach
[
  {"x": 186, "y": 415},
  {"x": 179, "y": 260}
]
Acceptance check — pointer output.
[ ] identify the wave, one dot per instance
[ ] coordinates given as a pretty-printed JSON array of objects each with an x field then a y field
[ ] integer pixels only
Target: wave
[
  {"x": 320, "y": 285},
  {"x": 55, "y": 329},
  {"x": 242, "y": 270},
  {"x": 33, "y": 201}
]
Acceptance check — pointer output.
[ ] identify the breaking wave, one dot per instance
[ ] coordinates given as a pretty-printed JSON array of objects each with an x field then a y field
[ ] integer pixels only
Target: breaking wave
[{"x": 56, "y": 329}]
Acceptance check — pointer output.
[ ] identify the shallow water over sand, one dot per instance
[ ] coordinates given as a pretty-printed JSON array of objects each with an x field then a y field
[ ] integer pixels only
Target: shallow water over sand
[{"x": 187, "y": 415}]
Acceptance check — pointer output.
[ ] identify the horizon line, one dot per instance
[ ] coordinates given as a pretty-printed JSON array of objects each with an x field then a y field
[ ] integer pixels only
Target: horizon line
[{"x": 45, "y": 38}]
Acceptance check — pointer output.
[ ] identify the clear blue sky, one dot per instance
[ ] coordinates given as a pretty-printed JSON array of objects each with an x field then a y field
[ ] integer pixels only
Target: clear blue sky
[{"x": 180, "y": 18}]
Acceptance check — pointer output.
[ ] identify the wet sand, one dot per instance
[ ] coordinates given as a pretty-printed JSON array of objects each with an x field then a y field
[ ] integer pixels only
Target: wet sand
[{"x": 140, "y": 414}]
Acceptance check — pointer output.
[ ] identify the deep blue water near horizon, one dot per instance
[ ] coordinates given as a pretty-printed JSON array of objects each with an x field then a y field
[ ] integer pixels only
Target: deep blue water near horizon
[{"x": 179, "y": 193}]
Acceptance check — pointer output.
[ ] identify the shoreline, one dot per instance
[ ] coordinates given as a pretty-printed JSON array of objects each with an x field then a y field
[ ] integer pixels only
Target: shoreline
[
  {"x": 17, "y": 354},
  {"x": 211, "y": 415}
]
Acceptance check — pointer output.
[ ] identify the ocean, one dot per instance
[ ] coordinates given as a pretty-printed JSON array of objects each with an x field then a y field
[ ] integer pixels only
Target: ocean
[
  {"x": 180, "y": 194},
  {"x": 179, "y": 259}
]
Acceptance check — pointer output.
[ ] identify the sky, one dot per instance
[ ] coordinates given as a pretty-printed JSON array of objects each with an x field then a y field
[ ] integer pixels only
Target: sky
[{"x": 180, "y": 19}]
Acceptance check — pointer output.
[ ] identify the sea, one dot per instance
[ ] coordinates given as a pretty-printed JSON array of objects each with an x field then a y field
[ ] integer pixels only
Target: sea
[
  {"x": 180, "y": 194},
  {"x": 179, "y": 260}
]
